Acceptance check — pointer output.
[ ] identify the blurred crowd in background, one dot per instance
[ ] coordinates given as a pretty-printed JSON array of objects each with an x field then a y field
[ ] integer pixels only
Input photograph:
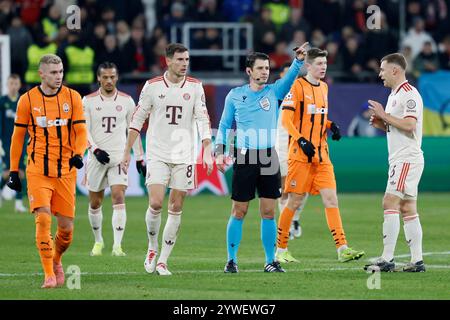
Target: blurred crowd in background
[{"x": 134, "y": 33}]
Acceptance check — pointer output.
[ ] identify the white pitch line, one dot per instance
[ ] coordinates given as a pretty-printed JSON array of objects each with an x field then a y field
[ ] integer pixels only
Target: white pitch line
[
  {"x": 431, "y": 266},
  {"x": 215, "y": 271}
]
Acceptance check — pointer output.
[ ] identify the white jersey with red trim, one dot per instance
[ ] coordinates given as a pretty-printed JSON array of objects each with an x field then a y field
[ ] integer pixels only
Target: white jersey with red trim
[
  {"x": 405, "y": 102},
  {"x": 107, "y": 120},
  {"x": 176, "y": 112}
]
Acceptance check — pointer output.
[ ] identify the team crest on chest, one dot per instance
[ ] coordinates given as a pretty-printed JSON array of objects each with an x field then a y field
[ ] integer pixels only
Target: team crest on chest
[
  {"x": 66, "y": 107},
  {"x": 119, "y": 108},
  {"x": 186, "y": 96},
  {"x": 394, "y": 103},
  {"x": 264, "y": 103}
]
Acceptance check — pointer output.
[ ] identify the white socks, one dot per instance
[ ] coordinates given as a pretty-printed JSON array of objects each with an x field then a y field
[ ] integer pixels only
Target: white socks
[
  {"x": 119, "y": 220},
  {"x": 169, "y": 235},
  {"x": 95, "y": 218},
  {"x": 413, "y": 236},
  {"x": 391, "y": 228},
  {"x": 153, "y": 221}
]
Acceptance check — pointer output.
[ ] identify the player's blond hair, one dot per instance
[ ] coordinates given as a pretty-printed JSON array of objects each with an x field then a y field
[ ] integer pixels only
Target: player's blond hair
[{"x": 49, "y": 59}]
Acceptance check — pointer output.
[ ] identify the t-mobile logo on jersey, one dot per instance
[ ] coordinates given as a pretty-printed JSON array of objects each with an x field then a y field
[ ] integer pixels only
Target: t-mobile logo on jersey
[
  {"x": 172, "y": 113},
  {"x": 108, "y": 123}
]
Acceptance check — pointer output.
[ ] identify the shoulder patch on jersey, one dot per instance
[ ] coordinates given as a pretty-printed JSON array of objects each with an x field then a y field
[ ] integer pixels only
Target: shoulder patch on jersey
[
  {"x": 410, "y": 104},
  {"x": 288, "y": 96}
]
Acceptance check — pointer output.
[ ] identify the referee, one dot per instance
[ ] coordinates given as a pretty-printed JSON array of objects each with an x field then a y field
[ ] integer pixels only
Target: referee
[{"x": 254, "y": 107}]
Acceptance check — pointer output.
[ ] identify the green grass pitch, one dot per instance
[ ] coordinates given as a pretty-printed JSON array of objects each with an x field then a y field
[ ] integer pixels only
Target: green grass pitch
[{"x": 199, "y": 255}]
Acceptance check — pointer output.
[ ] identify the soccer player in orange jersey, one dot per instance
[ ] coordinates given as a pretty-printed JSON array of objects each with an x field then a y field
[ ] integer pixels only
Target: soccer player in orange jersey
[
  {"x": 53, "y": 116},
  {"x": 305, "y": 117}
]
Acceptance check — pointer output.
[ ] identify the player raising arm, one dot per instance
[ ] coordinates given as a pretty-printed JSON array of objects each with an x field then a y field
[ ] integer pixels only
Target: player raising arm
[{"x": 254, "y": 107}]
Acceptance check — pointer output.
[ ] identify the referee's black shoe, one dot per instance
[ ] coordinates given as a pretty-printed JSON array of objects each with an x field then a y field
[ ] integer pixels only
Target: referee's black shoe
[
  {"x": 231, "y": 267},
  {"x": 275, "y": 266}
]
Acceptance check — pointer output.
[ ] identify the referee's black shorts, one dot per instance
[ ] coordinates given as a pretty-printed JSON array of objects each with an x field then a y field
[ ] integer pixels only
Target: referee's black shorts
[{"x": 256, "y": 170}]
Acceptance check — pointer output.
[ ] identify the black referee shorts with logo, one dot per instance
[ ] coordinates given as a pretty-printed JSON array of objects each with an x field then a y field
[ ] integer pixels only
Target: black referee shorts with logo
[{"x": 256, "y": 170}]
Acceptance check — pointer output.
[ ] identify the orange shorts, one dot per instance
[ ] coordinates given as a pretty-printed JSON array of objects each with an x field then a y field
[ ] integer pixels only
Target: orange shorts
[
  {"x": 309, "y": 177},
  {"x": 56, "y": 193}
]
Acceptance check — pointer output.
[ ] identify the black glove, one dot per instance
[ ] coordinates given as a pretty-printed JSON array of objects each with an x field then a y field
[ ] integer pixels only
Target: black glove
[
  {"x": 102, "y": 156},
  {"x": 76, "y": 161},
  {"x": 14, "y": 181},
  {"x": 141, "y": 167},
  {"x": 307, "y": 147},
  {"x": 336, "y": 132}
]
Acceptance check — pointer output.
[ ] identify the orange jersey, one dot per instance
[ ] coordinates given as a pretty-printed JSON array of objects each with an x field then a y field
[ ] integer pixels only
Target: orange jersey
[
  {"x": 57, "y": 130},
  {"x": 305, "y": 114}
]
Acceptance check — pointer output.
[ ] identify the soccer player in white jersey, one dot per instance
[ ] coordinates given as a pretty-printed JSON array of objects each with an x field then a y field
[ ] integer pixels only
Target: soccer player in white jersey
[
  {"x": 174, "y": 105},
  {"x": 108, "y": 114},
  {"x": 402, "y": 121}
]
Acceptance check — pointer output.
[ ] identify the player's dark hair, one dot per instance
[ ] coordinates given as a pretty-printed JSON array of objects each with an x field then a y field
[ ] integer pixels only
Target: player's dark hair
[
  {"x": 396, "y": 58},
  {"x": 314, "y": 53},
  {"x": 252, "y": 57},
  {"x": 172, "y": 48},
  {"x": 106, "y": 65}
]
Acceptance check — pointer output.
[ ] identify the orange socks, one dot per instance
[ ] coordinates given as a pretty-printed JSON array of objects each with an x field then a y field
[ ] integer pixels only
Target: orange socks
[
  {"x": 284, "y": 224},
  {"x": 335, "y": 226},
  {"x": 63, "y": 239},
  {"x": 44, "y": 242}
]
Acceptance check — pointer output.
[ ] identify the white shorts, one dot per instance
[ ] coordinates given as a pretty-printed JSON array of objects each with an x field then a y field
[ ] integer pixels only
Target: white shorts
[
  {"x": 175, "y": 176},
  {"x": 403, "y": 179},
  {"x": 100, "y": 176}
]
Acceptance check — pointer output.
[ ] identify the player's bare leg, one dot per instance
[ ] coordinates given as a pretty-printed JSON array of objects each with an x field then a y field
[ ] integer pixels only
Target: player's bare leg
[
  {"x": 63, "y": 239},
  {"x": 330, "y": 202},
  {"x": 294, "y": 202},
  {"x": 234, "y": 234},
  {"x": 95, "y": 218},
  {"x": 171, "y": 229},
  {"x": 119, "y": 218},
  {"x": 153, "y": 221},
  {"x": 44, "y": 244},
  {"x": 413, "y": 235}
]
